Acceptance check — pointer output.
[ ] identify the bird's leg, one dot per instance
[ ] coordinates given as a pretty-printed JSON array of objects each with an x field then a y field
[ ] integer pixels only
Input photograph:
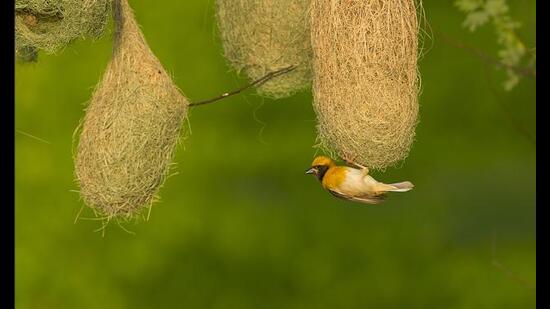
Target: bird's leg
[{"x": 356, "y": 165}]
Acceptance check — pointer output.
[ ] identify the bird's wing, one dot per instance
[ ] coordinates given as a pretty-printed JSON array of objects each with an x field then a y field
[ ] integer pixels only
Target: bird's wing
[{"x": 360, "y": 199}]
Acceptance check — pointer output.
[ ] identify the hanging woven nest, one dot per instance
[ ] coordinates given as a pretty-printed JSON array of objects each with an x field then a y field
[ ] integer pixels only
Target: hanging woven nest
[
  {"x": 366, "y": 82},
  {"x": 50, "y": 25},
  {"x": 262, "y": 36},
  {"x": 131, "y": 127}
]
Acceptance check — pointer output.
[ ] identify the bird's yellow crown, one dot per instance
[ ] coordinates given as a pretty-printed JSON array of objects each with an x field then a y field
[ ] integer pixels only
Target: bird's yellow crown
[{"x": 322, "y": 161}]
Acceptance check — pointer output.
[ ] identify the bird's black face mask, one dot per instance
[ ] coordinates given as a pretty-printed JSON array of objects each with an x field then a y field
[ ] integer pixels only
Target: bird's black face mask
[{"x": 318, "y": 170}]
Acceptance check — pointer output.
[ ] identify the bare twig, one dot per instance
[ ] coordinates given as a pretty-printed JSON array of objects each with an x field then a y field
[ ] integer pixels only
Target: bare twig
[
  {"x": 511, "y": 274},
  {"x": 509, "y": 115},
  {"x": 32, "y": 136},
  {"x": 488, "y": 60},
  {"x": 485, "y": 57},
  {"x": 257, "y": 82}
]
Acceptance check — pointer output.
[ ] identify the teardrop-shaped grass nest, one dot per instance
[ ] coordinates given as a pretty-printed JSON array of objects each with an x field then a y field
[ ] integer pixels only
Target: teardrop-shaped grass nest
[{"x": 131, "y": 127}]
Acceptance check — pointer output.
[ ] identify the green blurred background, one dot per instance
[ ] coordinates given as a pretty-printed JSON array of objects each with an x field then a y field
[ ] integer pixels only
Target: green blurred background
[{"x": 241, "y": 226}]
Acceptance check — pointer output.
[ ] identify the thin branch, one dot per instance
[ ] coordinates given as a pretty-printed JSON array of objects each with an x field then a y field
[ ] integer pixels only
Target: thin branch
[
  {"x": 33, "y": 137},
  {"x": 523, "y": 71},
  {"x": 507, "y": 112},
  {"x": 488, "y": 60},
  {"x": 511, "y": 274},
  {"x": 257, "y": 82}
]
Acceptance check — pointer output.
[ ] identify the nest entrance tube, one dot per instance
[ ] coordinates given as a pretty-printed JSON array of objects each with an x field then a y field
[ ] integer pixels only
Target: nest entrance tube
[
  {"x": 365, "y": 82},
  {"x": 131, "y": 127}
]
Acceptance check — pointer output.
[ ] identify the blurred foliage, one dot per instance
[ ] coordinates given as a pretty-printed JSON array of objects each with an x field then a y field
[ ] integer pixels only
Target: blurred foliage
[
  {"x": 240, "y": 226},
  {"x": 513, "y": 53}
]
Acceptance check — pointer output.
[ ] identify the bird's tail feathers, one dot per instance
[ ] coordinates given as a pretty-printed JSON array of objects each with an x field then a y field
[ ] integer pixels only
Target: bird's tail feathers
[{"x": 401, "y": 186}]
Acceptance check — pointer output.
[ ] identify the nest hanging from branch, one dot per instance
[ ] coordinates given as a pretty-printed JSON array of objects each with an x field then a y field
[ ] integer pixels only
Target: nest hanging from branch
[
  {"x": 366, "y": 83},
  {"x": 262, "y": 36},
  {"x": 131, "y": 127}
]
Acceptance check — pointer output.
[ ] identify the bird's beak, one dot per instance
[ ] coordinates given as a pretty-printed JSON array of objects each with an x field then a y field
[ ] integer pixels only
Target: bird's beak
[{"x": 311, "y": 171}]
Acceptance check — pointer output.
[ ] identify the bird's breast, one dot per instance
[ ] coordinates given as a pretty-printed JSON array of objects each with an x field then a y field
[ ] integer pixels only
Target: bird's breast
[{"x": 334, "y": 177}]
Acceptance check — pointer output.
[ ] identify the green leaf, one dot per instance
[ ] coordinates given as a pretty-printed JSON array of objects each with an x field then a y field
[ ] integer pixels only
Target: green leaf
[
  {"x": 496, "y": 7},
  {"x": 468, "y": 5},
  {"x": 475, "y": 19},
  {"x": 512, "y": 81}
]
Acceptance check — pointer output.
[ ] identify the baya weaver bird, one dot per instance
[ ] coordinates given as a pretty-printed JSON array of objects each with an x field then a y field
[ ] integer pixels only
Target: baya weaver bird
[{"x": 353, "y": 183}]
